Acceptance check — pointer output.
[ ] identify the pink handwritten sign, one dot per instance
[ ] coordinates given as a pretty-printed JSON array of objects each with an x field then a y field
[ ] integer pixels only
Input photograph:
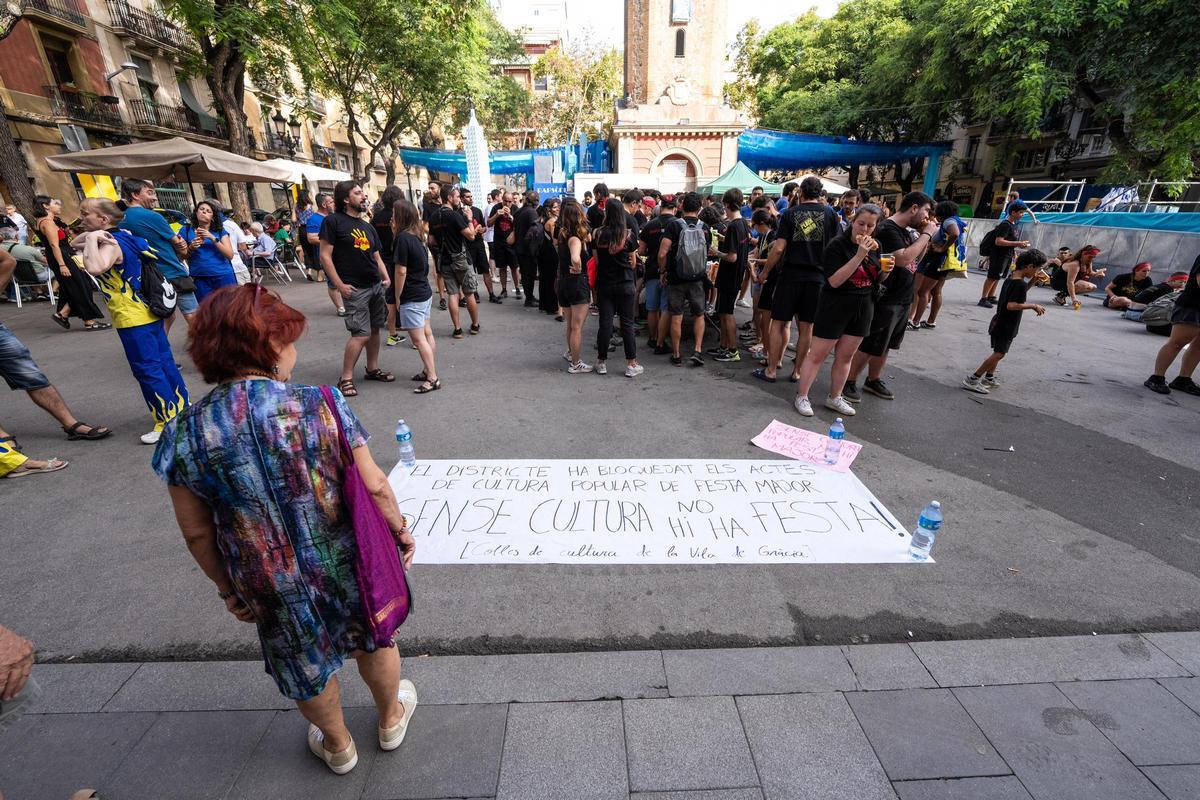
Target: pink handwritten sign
[{"x": 804, "y": 445}]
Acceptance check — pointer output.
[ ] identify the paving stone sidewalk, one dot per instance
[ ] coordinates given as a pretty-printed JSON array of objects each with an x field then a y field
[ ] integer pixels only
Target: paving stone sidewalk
[{"x": 1018, "y": 719}]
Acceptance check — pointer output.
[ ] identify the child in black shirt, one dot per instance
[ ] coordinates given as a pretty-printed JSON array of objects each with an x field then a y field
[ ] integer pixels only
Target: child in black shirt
[{"x": 1007, "y": 321}]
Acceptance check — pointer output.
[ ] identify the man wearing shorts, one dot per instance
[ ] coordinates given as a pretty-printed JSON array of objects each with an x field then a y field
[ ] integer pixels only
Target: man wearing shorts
[
  {"x": 501, "y": 222},
  {"x": 477, "y": 247},
  {"x": 735, "y": 252},
  {"x": 455, "y": 235},
  {"x": 351, "y": 259},
  {"x": 684, "y": 294},
  {"x": 891, "y": 310},
  {"x": 657, "y": 319},
  {"x": 804, "y": 231}
]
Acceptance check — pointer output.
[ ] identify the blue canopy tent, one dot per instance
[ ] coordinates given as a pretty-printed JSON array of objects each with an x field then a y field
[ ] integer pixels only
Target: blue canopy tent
[{"x": 760, "y": 148}]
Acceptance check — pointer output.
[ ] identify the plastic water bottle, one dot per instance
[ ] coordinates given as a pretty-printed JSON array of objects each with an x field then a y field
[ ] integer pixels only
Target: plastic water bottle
[
  {"x": 408, "y": 456},
  {"x": 926, "y": 531},
  {"x": 833, "y": 448}
]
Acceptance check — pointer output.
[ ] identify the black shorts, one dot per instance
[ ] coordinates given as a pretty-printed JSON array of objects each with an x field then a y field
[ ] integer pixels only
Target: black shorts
[
  {"x": 998, "y": 268},
  {"x": 796, "y": 299},
  {"x": 726, "y": 298},
  {"x": 479, "y": 258},
  {"x": 1001, "y": 341},
  {"x": 766, "y": 295},
  {"x": 572, "y": 290},
  {"x": 389, "y": 294},
  {"x": 842, "y": 314},
  {"x": 503, "y": 256},
  {"x": 887, "y": 329}
]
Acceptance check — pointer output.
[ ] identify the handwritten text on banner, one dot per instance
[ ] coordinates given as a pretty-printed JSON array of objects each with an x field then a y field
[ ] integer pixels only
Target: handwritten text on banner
[
  {"x": 804, "y": 445},
  {"x": 643, "y": 512}
]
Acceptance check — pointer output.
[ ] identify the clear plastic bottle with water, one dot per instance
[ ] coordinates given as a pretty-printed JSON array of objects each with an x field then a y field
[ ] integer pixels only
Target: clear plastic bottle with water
[
  {"x": 408, "y": 456},
  {"x": 928, "y": 525},
  {"x": 833, "y": 448}
]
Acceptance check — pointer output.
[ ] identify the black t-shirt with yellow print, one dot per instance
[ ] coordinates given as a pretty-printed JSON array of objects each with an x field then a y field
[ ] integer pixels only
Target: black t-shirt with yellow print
[{"x": 355, "y": 244}]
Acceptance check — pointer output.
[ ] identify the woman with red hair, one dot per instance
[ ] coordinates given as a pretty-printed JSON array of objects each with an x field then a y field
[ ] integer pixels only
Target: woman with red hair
[{"x": 255, "y": 474}]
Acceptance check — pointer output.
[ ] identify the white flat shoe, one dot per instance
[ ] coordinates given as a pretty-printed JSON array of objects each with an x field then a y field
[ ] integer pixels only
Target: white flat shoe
[
  {"x": 339, "y": 763},
  {"x": 391, "y": 738}
]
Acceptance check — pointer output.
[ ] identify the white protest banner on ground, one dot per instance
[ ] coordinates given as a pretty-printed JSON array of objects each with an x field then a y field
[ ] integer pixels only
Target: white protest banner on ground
[
  {"x": 803, "y": 445},
  {"x": 692, "y": 511}
]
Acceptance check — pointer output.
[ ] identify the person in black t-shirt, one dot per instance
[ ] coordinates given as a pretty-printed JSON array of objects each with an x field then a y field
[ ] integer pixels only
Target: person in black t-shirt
[
  {"x": 413, "y": 292},
  {"x": 804, "y": 231},
  {"x": 735, "y": 253},
  {"x": 477, "y": 247},
  {"x": 890, "y": 317},
  {"x": 852, "y": 271},
  {"x": 455, "y": 235},
  {"x": 381, "y": 221},
  {"x": 762, "y": 287},
  {"x": 526, "y": 217},
  {"x": 595, "y": 212},
  {"x": 658, "y": 320},
  {"x": 1007, "y": 321},
  {"x": 1185, "y": 332},
  {"x": 350, "y": 257},
  {"x": 684, "y": 294},
  {"x": 1007, "y": 240},
  {"x": 503, "y": 253},
  {"x": 1122, "y": 289}
]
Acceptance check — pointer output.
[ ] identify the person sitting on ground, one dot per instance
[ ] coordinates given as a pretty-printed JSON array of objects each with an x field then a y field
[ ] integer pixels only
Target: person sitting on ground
[
  {"x": 255, "y": 473},
  {"x": 1007, "y": 320},
  {"x": 1122, "y": 289},
  {"x": 1185, "y": 334},
  {"x": 1174, "y": 283},
  {"x": 1074, "y": 276}
]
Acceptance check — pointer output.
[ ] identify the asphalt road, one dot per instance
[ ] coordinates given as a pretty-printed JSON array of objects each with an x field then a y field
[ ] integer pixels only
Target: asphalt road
[{"x": 1090, "y": 524}]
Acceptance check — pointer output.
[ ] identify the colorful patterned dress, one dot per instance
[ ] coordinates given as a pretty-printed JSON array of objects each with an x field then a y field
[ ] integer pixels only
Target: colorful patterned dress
[{"x": 265, "y": 457}]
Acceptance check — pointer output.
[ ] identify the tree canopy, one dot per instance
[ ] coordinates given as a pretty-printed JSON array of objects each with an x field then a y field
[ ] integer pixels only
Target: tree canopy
[
  {"x": 908, "y": 69},
  {"x": 584, "y": 83}
]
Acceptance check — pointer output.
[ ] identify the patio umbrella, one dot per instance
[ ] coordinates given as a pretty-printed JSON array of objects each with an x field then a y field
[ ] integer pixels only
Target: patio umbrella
[
  {"x": 176, "y": 158},
  {"x": 302, "y": 172}
]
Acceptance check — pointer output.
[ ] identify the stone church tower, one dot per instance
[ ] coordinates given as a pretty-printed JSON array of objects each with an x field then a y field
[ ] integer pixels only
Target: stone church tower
[{"x": 674, "y": 122}]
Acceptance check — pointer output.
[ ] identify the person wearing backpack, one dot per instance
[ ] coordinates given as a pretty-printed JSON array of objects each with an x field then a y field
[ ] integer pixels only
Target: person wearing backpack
[
  {"x": 805, "y": 230},
  {"x": 684, "y": 253},
  {"x": 998, "y": 245},
  {"x": 121, "y": 264}
]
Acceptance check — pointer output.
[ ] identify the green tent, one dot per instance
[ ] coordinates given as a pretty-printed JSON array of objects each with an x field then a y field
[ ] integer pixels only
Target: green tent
[{"x": 740, "y": 177}]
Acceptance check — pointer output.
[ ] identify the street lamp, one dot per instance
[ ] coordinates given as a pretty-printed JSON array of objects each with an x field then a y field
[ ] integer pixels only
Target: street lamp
[{"x": 288, "y": 131}]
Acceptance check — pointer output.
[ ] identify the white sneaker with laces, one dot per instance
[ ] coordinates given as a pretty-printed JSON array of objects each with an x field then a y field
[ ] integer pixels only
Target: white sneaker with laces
[
  {"x": 990, "y": 382},
  {"x": 567, "y": 356},
  {"x": 391, "y": 738},
  {"x": 840, "y": 405},
  {"x": 803, "y": 406},
  {"x": 153, "y": 436},
  {"x": 743, "y": 303},
  {"x": 601, "y": 368},
  {"x": 973, "y": 384},
  {"x": 576, "y": 369},
  {"x": 634, "y": 370},
  {"x": 339, "y": 763}
]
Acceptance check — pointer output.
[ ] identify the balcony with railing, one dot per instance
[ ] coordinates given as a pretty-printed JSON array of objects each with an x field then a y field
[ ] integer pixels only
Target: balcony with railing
[
  {"x": 83, "y": 107},
  {"x": 59, "y": 11},
  {"x": 147, "y": 114},
  {"x": 273, "y": 144},
  {"x": 324, "y": 156},
  {"x": 316, "y": 103},
  {"x": 148, "y": 27}
]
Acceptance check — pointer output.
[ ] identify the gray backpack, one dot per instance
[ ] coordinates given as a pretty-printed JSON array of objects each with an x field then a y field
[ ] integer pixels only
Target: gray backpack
[
  {"x": 691, "y": 254},
  {"x": 1159, "y": 312}
]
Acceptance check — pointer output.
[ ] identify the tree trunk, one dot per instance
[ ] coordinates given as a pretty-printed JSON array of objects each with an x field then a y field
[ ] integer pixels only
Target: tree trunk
[
  {"x": 226, "y": 79},
  {"x": 852, "y": 172},
  {"x": 390, "y": 164},
  {"x": 12, "y": 169}
]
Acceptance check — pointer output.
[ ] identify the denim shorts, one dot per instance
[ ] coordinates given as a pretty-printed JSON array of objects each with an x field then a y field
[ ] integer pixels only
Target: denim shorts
[
  {"x": 656, "y": 295},
  {"x": 187, "y": 302},
  {"x": 413, "y": 316},
  {"x": 16, "y": 364}
]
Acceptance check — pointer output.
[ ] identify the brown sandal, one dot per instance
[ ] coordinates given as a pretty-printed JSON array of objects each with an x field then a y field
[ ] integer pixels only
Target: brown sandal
[
  {"x": 420, "y": 376},
  {"x": 428, "y": 386},
  {"x": 379, "y": 375},
  {"x": 347, "y": 388}
]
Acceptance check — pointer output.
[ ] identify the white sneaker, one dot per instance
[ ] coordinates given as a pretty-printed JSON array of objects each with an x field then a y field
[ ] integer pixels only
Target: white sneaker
[
  {"x": 575, "y": 369},
  {"x": 601, "y": 368},
  {"x": 973, "y": 384},
  {"x": 791, "y": 348},
  {"x": 803, "y": 406},
  {"x": 840, "y": 405},
  {"x": 742, "y": 303},
  {"x": 634, "y": 370},
  {"x": 391, "y": 738},
  {"x": 153, "y": 436},
  {"x": 990, "y": 382},
  {"x": 339, "y": 763},
  {"x": 567, "y": 356}
]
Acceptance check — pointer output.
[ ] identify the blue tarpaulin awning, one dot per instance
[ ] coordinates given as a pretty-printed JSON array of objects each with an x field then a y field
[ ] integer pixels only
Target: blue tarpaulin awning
[{"x": 1182, "y": 223}]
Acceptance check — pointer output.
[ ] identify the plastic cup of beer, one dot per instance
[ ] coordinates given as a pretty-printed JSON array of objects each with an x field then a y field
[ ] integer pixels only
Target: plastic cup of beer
[{"x": 887, "y": 261}]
